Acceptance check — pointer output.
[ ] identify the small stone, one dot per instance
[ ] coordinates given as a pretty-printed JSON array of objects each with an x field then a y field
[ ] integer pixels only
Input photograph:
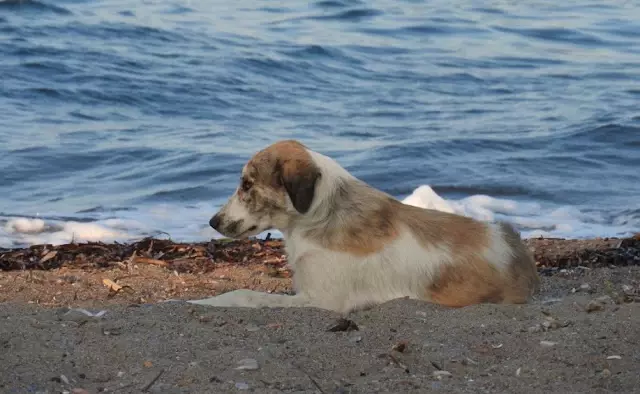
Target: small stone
[
  {"x": 593, "y": 306},
  {"x": 355, "y": 339},
  {"x": 441, "y": 374},
  {"x": 548, "y": 343},
  {"x": 248, "y": 364},
  {"x": 585, "y": 287},
  {"x": 242, "y": 386},
  {"x": 616, "y": 357},
  {"x": 252, "y": 327},
  {"x": 421, "y": 313},
  {"x": 64, "y": 379},
  {"x": 120, "y": 374},
  {"x": 518, "y": 371}
]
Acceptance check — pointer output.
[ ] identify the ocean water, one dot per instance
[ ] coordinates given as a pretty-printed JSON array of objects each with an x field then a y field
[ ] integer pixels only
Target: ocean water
[{"x": 121, "y": 119}]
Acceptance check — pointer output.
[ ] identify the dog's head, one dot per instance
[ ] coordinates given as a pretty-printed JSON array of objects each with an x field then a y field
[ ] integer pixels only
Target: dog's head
[{"x": 277, "y": 184}]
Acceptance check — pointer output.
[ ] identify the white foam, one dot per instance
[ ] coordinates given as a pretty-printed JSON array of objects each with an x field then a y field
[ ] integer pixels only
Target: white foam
[
  {"x": 24, "y": 225},
  {"x": 425, "y": 197},
  {"x": 533, "y": 219},
  {"x": 38, "y": 231},
  {"x": 190, "y": 224}
]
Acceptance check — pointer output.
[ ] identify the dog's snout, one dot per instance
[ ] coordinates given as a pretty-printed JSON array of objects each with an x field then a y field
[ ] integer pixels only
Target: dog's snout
[{"x": 215, "y": 221}]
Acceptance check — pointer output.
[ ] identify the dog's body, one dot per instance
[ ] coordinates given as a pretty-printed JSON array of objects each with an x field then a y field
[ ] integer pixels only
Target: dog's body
[{"x": 351, "y": 246}]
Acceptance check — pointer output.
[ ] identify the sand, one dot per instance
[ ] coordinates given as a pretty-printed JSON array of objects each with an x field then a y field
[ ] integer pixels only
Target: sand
[{"x": 580, "y": 334}]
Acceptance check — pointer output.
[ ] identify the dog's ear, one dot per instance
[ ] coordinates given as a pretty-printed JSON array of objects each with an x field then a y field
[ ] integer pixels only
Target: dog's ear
[{"x": 299, "y": 178}]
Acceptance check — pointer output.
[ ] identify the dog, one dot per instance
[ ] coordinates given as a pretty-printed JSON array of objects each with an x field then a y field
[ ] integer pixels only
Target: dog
[{"x": 351, "y": 246}]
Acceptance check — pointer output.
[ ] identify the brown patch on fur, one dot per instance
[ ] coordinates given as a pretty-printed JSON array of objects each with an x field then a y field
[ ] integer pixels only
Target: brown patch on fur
[
  {"x": 475, "y": 280},
  {"x": 460, "y": 285},
  {"x": 363, "y": 220},
  {"x": 463, "y": 235}
]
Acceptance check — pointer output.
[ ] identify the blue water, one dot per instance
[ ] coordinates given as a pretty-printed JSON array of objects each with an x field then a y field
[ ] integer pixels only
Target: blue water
[{"x": 122, "y": 118}]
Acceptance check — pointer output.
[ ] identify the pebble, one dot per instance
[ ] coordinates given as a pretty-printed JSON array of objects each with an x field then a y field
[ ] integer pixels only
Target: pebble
[
  {"x": 614, "y": 358},
  {"x": 242, "y": 386},
  {"x": 248, "y": 364},
  {"x": 252, "y": 327},
  {"x": 548, "y": 343}
]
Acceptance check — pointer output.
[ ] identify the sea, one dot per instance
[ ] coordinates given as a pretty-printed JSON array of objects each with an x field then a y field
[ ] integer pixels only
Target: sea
[{"x": 123, "y": 119}]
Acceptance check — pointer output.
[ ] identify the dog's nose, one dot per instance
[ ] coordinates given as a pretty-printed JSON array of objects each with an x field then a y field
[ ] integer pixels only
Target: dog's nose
[{"x": 215, "y": 221}]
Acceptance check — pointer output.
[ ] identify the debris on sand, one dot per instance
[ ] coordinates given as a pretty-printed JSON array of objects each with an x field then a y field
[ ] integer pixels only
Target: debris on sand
[
  {"x": 556, "y": 253},
  {"x": 158, "y": 270},
  {"x": 179, "y": 257},
  {"x": 400, "y": 347},
  {"x": 441, "y": 374},
  {"x": 199, "y": 257},
  {"x": 594, "y": 306}
]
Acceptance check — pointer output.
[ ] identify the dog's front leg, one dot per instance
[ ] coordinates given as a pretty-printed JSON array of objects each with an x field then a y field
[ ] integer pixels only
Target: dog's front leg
[{"x": 253, "y": 299}]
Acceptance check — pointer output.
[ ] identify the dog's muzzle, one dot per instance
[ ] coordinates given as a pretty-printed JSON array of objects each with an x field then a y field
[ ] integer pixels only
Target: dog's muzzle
[{"x": 215, "y": 221}]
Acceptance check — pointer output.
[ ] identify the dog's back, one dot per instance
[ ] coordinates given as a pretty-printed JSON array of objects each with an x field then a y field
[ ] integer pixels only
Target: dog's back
[{"x": 370, "y": 248}]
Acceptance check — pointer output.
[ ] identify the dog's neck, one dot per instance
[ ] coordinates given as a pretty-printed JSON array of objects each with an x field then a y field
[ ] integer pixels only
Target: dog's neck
[{"x": 339, "y": 198}]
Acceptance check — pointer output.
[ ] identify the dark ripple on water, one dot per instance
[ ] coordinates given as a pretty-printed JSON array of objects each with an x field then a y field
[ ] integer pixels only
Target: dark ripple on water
[{"x": 108, "y": 106}]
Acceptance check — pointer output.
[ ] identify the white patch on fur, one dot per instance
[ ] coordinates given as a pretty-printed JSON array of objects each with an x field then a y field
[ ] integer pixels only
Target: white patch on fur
[
  {"x": 499, "y": 251},
  {"x": 343, "y": 282},
  {"x": 235, "y": 210}
]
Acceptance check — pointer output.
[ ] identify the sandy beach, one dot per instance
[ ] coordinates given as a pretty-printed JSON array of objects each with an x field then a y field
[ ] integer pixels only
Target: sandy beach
[{"x": 90, "y": 318}]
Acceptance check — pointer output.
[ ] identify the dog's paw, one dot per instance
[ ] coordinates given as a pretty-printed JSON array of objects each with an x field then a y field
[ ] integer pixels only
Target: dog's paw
[{"x": 236, "y": 298}]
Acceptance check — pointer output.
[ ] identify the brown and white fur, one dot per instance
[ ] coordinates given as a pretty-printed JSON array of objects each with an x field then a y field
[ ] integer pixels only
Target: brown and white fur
[{"x": 351, "y": 246}]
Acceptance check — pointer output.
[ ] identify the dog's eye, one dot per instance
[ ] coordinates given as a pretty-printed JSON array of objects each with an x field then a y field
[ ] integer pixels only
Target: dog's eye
[{"x": 246, "y": 185}]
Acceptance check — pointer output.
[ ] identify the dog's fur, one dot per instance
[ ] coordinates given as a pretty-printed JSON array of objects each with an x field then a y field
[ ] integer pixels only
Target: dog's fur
[{"x": 351, "y": 246}]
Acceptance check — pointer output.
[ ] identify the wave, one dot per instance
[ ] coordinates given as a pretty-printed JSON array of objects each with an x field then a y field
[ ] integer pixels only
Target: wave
[{"x": 190, "y": 223}]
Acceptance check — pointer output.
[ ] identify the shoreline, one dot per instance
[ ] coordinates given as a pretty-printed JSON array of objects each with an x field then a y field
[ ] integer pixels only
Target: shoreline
[
  {"x": 154, "y": 270},
  {"x": 548, "y": 252}
]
